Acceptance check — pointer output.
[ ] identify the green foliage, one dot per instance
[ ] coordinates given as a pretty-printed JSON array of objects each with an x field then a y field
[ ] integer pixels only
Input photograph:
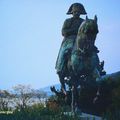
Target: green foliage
[
  {"x": 38, "y": 112},
  {"x": 113, "y": 112}
]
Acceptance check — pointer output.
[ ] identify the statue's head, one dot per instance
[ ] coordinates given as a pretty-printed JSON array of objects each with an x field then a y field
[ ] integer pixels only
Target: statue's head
[{"x": 76, "y": 9}]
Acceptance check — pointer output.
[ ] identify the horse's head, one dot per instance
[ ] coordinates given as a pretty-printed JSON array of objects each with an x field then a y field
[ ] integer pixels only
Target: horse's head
[{"x": 87, "y": 33}]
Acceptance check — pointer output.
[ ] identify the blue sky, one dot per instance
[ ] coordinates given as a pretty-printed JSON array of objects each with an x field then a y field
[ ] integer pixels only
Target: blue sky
[{"x": 30, "y": 38}]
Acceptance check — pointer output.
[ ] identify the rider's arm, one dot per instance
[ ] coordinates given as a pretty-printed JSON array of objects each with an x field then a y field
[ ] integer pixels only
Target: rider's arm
[{"x": 67, "y": 30}]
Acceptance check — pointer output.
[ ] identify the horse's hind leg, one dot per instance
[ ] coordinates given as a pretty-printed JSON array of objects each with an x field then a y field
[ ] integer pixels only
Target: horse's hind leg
[{"x": 61, "y": 79}]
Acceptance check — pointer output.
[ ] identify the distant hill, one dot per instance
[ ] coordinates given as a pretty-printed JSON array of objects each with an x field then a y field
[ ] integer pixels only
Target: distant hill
[{"x": 48, "y": 91}]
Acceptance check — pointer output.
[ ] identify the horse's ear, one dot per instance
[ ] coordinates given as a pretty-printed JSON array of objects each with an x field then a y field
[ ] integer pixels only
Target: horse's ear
[
  {"x": 86, "y": 17},
  {"x": 95, "y": 18}
]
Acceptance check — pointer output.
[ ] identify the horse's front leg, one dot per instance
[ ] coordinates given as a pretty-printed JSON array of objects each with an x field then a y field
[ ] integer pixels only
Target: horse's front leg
[
  {"x": 97, "y": 75},
  {"x": 97, "y": 96}
]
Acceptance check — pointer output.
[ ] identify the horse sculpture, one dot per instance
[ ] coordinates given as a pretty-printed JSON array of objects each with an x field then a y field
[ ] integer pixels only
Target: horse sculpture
[
  {"x": 84, "y": 69},
  {"x": 83, "y": 65}
]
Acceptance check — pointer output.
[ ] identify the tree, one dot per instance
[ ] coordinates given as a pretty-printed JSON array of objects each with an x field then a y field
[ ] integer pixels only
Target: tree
[
  {"x": 22, "y": 96},
  {"x": 5, "y": 99}
]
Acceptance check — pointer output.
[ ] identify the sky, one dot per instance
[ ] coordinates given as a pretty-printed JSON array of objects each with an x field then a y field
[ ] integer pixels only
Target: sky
[{"x": 30, "y": 38}]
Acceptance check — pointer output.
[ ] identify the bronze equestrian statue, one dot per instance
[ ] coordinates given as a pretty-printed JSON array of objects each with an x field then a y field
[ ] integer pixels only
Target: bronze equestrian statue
[
  {"x": 78, "y": 62},
  {"x": 78, "y": 65}
]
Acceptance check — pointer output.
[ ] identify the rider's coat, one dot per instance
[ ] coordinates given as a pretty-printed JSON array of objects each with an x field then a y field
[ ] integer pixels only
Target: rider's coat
[{"x": 69, "y": 32}]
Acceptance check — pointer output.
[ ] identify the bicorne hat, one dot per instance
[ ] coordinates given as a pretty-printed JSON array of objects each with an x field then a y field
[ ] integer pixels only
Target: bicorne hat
[{"x": 77, "y": 6}]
